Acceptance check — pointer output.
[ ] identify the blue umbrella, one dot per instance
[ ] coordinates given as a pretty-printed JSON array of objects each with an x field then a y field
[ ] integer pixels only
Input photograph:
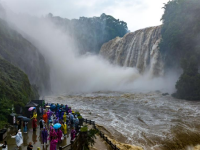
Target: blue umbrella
[{"x": 57, "y": 126}]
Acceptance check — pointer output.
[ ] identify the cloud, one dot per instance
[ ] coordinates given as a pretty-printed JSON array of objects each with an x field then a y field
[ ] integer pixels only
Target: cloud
[{"x": 137, "y": 13}]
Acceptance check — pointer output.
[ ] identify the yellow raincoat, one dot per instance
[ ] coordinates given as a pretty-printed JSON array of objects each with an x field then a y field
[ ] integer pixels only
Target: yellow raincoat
[
  {"x": 34, "y": 115},
  {"x": 65, "y": 117},
  {"x": 64, "y": 128}
]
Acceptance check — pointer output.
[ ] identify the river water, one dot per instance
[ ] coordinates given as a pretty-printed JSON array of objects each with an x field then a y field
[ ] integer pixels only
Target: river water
[{"x": 149, "y": 120}]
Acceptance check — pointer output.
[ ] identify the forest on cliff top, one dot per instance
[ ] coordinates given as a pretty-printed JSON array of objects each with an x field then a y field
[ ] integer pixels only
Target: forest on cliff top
[{"x": 180, "y": 45}]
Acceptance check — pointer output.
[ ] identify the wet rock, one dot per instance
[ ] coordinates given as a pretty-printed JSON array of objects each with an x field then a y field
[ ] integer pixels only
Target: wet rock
[{"x": 165, "y": 94}]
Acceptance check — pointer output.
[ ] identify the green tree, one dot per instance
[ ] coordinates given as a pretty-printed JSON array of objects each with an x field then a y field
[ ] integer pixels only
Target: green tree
[
  {"x": 180, "y": 46},
  {"x": 180, "y": 31},
  {"x": 92, "y": 33}
]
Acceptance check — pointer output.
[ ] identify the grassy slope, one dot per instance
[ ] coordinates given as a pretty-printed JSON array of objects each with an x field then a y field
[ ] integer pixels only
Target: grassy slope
[{"x": 14, "y": 84}]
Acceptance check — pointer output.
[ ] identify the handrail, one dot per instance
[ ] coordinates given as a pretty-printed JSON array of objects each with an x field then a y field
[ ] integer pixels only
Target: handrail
[
  {"x": 113, "y": 146},
  {"x": 64, "y": 147},
  {"x": 74, "y": 142}
]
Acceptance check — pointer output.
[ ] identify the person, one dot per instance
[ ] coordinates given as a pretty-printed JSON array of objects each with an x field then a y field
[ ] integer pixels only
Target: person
[
  {"x": 18, "y": 138},
  {"x": 73, "y": 134},
  {"x": 76, "y": 122},
  {"x": 72, "y": 119},
  {"x": 53, "y": 143},
  {"x": 44, "y": 135},
  {"x": 34, "y": 114},
  {"x": 19, "y": 124},
  {"x": 64, "y": 128},
  {"x": 25, "y": 124},
  {"x": 34, "y": 124},
  {"x": 56, "y": 120},
  {"x": 52, "y": 134},
  {"x": 52, "y": 117},
  {"x": 40, "y": 110},
  {"x": 4, "y": 146},
  {"x": 30, "y": 146},
  {"x": 66, "y": 108},
  {"x": 41, "y": 123},
  {"x": 59, "y": 134},
  {"x": 45, "y": 117},
  {"x": 65, "y": 117}
]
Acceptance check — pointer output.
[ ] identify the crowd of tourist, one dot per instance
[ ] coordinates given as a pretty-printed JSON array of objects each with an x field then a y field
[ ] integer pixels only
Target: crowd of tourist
[{"x": 55, "y": 122}]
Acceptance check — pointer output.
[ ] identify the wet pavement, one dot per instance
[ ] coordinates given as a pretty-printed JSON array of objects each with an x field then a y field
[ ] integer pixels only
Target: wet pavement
[{"x": 32, "y": 136}]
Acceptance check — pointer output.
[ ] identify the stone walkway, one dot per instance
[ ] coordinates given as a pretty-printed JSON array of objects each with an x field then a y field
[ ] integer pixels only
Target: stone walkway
[{"x": 31, "y": 136}]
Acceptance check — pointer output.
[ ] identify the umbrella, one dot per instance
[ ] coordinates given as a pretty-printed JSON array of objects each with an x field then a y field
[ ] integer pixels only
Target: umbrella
[
  {"x": 26, "y": 119},
  {"x": 20, "y": 117},
  {"x": 57, "y": 126},
  {"x": 31, "y": 108}
]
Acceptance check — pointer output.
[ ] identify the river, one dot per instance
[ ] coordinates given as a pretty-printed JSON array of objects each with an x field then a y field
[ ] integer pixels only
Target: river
[{"x": 149, "y": 120}]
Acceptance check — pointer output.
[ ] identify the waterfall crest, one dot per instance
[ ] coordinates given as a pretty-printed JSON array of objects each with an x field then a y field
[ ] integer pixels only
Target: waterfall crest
[{"x": 136, "y": 49}]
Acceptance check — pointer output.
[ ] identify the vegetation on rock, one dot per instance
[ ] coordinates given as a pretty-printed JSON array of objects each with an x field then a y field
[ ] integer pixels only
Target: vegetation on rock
[
  {"x": 92, "y": 33},
  {"x": 21, "y": 53},
  {"x": 14, "y": 88},
  {"x": 180, "y": 44}
]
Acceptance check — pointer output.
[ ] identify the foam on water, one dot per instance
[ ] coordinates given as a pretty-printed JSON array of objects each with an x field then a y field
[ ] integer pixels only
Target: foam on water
[{"x": 144, "y": 119}]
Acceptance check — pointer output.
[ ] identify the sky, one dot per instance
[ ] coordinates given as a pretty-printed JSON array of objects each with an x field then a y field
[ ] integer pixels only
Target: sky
[{"x": 137, "y": 14}]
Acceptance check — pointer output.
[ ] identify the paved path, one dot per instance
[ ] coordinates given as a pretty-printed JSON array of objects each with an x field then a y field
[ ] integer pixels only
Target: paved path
[{"x": 31, "y": 136}]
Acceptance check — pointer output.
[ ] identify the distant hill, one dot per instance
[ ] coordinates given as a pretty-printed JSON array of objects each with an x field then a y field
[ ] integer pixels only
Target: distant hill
[{"x": 91, "y": 33}]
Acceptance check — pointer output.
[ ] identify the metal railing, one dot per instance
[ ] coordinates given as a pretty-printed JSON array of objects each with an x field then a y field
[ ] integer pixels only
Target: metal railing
[
  {"x": 76, "y": 144},
  {"x": 113, "y": 146}
]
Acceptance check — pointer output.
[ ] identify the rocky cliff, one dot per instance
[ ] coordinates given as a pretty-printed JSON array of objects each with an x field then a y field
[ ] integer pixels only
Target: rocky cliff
[
  {"x": 14, "y": 84},
  {"x": 136, "y": 49},
  {"x": 18, "y": 51}
]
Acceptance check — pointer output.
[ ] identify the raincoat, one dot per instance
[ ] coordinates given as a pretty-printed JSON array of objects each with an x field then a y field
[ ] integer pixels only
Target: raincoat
[
  {"x": 25, "y": 126},
  {"x": 53, "y": 144},
  {"x": 45, "y": 117},
  {"x": 59, "y": 133},
  {"x": 65, "y": 117},
  {"x": 73, "y": 134},
  {"x": 44, "y": 136},
  {"x": 56, "y": 121},
  {"x": 52, "y": 134},
  {"x": 34, "y": 123},
  {"x": 19, "y": 139},
  {"x": 64, "y": 128},
  {"x": 34, "y": 115}
]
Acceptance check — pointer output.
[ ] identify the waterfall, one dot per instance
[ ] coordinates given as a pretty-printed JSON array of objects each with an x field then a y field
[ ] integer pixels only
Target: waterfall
[{"x": 137, "y": 49}]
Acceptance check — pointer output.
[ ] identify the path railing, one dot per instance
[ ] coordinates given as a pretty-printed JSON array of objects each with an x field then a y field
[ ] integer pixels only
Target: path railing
[
  {"x": 113, "y": 146},
  {"x": 76, "y": 143}
]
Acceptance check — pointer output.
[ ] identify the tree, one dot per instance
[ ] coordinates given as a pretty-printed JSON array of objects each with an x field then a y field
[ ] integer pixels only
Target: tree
[
  {"x": 188, "y": 85},
  {"x": 180, "y": 47}
]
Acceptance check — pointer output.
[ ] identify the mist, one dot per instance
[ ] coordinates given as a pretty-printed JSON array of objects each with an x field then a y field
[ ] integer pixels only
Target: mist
[{"x": 72, "y": 72}]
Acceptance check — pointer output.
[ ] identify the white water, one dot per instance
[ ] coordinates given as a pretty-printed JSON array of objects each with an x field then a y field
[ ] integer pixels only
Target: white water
[
  {"x": 144, "y": 119},
  {"x": 71, "y": 72}
]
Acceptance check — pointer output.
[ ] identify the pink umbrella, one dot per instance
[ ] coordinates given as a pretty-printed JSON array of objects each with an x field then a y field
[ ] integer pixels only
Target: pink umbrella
[{"x": 31, "y": 108}]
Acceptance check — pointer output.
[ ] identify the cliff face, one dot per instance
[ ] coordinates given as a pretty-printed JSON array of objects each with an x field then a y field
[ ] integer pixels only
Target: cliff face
[
  {"x": 22, "y": 54},
  {"x": 136, "y": 49},
  {"x": 14, "y": 84}
]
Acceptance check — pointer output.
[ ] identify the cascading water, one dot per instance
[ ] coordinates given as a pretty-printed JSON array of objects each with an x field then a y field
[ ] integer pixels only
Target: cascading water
[{"x": 137, "y": 49}]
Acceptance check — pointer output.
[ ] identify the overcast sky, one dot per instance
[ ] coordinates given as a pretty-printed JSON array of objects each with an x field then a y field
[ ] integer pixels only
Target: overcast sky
[{"x": 137, "y": 13}]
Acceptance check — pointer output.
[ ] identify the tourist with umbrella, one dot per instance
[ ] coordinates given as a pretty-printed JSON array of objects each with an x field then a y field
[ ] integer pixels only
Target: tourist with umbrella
[{"x": 25, "y": 124}]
